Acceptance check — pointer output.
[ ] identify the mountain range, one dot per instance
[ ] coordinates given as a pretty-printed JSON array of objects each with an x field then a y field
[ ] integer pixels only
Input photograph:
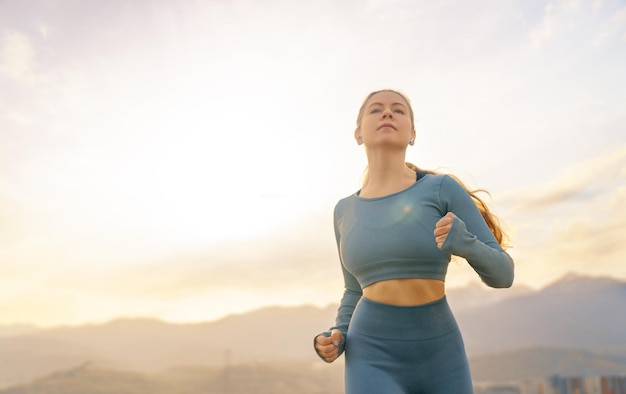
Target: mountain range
[{"x": 576, "y": 325}]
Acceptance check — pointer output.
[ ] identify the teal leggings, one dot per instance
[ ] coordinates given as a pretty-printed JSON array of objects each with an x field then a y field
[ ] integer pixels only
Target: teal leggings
[{"x": 405, "y": 350}]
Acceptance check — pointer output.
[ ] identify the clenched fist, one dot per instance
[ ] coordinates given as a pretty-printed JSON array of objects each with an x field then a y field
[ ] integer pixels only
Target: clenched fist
[
  {"x": 442, "y": 228},
  {"x": 328, "y": 347}
]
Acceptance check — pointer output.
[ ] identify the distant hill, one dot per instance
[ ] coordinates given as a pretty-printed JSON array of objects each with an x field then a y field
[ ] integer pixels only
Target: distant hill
[
  {"x": 574, "y": 312},
  {"x": 516, "y": 365},
  {"x": 146, "y": 345},
  {"x": 16, "y": 329},
  {"x": 269, "y": 378},
  {"x": 580, "y": 313},
  {"x": 477, "y": 295},
  {"x": 304, "y": 377}
]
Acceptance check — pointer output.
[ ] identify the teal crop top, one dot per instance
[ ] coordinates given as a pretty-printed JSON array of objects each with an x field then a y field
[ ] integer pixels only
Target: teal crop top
[{"x": 392, "y": 237}]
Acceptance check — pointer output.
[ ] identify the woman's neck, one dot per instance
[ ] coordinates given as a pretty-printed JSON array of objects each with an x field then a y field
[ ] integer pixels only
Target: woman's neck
[{"x": 386, "y": 174}]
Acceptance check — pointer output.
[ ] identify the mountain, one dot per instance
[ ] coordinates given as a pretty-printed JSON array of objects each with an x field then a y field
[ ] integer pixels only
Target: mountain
[
  {"x": 23, "y": 358},
  {"x": 266, "y": 378},
  {"x": 517, "y": 365},
  {"x": 308, "y": 377},
  {"x": 16, "y": 329},
  {"x": 147, "y": 345},
  {"x": 476, "y": 295},
  {"x": 575, "y": 312}
]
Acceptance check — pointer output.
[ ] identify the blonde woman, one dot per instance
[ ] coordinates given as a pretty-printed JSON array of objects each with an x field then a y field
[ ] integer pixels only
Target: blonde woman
[{"x": 395, "y": 237}]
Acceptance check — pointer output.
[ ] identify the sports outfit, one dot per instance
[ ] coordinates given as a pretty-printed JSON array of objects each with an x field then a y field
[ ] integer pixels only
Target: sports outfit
[{"x": 393, "y": 349}]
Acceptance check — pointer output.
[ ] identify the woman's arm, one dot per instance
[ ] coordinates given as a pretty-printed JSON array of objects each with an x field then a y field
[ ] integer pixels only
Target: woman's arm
[
  {"x": 468, "y": 236},
  {"x": 351, "y": 296}
]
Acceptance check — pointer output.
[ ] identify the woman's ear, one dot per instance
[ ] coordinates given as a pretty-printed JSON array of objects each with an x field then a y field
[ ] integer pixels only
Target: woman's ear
[{"x": 357, "y": 137}]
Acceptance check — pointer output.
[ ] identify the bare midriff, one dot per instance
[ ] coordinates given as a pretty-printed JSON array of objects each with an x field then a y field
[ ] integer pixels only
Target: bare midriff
[{"x": 405, "y": 292}]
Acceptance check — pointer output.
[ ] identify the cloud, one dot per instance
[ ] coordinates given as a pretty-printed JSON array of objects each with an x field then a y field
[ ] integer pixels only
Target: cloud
[
  {"x": 581, "y": 244},
  {"x": 578, "y": 22},
  {"x": 573, "y": 223},
  {"x": 619, "y": 16},
  {"x": 597, "y": 5},
  {"x": 560, "y": 18},
  {"x": 114, "y": 157},
  {"x": 549, "y": 29},
  {"x": 300, "y": 259},
  {"x": 613, "y": 27},
  {"x": 302, "y": 255},
  {"x": 300, "y": 266},
  {"x": 14, "y": 219},
  {"x": 17, "y": 57},
  {"x": 583, "y": 182}
]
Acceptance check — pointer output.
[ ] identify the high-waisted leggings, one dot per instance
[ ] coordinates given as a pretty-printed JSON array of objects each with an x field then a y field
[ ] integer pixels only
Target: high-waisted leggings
[{"x": 405, "y": 350}]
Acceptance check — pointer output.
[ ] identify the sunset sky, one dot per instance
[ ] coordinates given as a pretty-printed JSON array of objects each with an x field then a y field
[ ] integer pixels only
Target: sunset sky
[{"x": 181, "y": 160}]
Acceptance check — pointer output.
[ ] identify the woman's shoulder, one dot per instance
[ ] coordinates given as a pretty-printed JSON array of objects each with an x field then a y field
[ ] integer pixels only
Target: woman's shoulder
[
  {"x": 438, "y": 186},
  {"x": 441, "y": 181},
  {"x": 345, "y": 200},
  {"x": 432, "y": 180}
]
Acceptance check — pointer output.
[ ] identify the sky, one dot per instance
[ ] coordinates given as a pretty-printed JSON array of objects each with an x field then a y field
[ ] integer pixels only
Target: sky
[{"x": 181, "y": 160}]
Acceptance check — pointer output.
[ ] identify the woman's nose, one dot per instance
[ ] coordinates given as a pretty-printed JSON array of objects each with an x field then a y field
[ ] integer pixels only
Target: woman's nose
[{"x": 387, "y": 113}]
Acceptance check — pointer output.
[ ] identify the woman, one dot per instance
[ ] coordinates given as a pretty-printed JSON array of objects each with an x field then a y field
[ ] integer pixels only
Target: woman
[{"x": 395, "y": 238}]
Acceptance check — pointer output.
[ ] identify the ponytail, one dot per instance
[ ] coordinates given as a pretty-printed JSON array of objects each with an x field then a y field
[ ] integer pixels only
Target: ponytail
[{"x": 492, "y": 220}]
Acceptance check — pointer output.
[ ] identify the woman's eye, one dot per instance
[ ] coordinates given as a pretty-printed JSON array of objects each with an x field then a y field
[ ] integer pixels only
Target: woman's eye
[
  {"x": 374, "y": 110},
  {"x": 400, "y": 111}
]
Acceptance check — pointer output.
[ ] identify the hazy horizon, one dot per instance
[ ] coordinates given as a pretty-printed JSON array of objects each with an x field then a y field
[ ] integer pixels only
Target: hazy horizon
[{"x": 182, "y": 161}]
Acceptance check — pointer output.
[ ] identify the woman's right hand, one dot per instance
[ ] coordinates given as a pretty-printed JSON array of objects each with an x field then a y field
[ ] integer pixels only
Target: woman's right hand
[{"x": 328, "y": 347}]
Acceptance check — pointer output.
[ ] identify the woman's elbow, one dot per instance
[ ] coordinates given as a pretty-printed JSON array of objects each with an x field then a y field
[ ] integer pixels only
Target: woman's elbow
[{"x": 502, "y": 281}]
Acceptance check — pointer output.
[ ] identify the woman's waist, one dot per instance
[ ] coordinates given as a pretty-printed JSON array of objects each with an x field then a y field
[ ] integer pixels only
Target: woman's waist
[
  {"x": 417, "y": 322},
  {"x": 369, "y": 272},
  {"x": 405, "y": 291}
]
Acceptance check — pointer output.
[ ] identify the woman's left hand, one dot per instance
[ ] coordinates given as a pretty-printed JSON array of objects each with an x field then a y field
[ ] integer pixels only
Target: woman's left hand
[{"x": 442, "y": 228}]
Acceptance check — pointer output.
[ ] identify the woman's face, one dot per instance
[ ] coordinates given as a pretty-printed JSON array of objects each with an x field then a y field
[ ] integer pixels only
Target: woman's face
[{"x": 386, "y": 121}]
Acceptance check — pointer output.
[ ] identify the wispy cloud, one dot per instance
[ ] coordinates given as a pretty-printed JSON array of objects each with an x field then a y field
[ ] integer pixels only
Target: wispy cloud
[
  {"x": 583, "y": 182},
  {"x": 574, "y": 223},
  {"x": 17, "y": 57},
  {"x": 303, "y": 255},
  {"x": 571, "y": 17},
  {"x": 299, "y": 266}
]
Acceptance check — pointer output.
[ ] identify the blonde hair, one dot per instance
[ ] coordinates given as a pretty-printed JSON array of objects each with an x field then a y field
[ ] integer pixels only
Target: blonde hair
[{"x": 493, "y": 222}]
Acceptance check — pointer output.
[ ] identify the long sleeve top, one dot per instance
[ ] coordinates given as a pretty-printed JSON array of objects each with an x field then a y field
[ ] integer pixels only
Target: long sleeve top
[{"x": 391, "y": 237}]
